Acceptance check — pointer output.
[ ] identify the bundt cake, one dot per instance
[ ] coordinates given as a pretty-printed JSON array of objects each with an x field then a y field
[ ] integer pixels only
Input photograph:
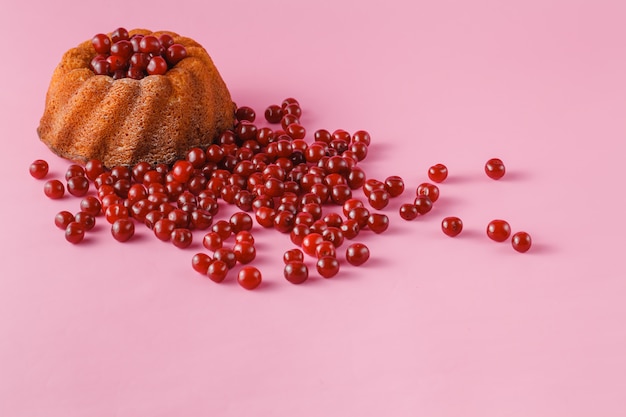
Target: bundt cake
[{"x": 124, "y": 117}]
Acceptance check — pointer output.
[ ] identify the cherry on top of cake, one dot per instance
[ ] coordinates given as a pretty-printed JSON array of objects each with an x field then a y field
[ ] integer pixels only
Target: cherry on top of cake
[{"x": 137, "y": 56}]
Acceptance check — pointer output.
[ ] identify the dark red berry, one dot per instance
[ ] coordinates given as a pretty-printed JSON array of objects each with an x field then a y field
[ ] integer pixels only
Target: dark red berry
[
  {"x": 521, "y": 242},
  {"x": 249, "y": 277},
  {"x": 123, "y": 229},
  {"x": 498, "y": 230},
  {"x": 74, "y": 232},
  {"x": 357, "y": 254},
  {"x": 327, "y": 266},
  {"x": 296, "y": 272},
  {"x": 451, "y": 226},
  {"x": 54, "y": 189},
  {"x": 438, "y": 173},
  {"x": 38, "y": 169},
  {"x": 494, "y": 168}
]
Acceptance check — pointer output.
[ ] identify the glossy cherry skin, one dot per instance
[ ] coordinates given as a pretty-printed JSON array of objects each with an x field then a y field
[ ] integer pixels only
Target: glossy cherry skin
[
  {"x": 244, "y": 252},
  {"x": 498, "y": 230},
  {"x": 74, "y": 232},
  {"x": 123, "y": 229},
  {"x": 452, "y": 226},
  {"x": 201, "y": 262},
  {"x": 249, "y": 277},
  {"x": 438, "y": 173},
  {"x": 357, "y": 254},
  {"x": 408, "y": 211},
  {"x": 429, "y": 190},
  {"x": 293, "y": 255},
  {"x": 63, "y": 218},
  {"x": 378, "y": 222},
  {"x": 38, "y": 169},
  {"x": 296, "y": 272},
  {"x": 54, "y": 189},
  {"x": 182, "y": 238},
  {"x": 217, "y": 270},
  {"x": 394, "y": 185},
  {"x": 494, "y": 168},
  {"x": 521, "y": 242},
  {"x": 327, "y": 266}
]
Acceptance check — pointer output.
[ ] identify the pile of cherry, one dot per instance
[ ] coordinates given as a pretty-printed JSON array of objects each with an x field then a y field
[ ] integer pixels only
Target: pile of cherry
[
  {"x": 137, "y": 56},
  {"x": 285, "y": 182}
]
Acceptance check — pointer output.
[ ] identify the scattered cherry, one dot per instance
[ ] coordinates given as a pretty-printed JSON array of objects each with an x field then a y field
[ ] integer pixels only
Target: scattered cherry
[
  {"x": 63, "y": 218},
  {"x": 123, "y": 229},
  {"x": 217, "y": 270},
  {"x": 74, "y": 232},
  {"x": 521, "y": 242},
  {"x": 451, "y": 226},
  {"x": 438, "y": 173},
  {"x": 201, "y": 262},
  {"x": 38, "y": 169},
  {"x": 327, "y": 266},
  {"x": 296, "y": 272},
  {"x": 357, "y": 254},
  {"x": 494, "y": 168},
  {"x": 54, "y": 189},
  {"x": 498, "y": 230},
  {"x": 249, "y": 277}
]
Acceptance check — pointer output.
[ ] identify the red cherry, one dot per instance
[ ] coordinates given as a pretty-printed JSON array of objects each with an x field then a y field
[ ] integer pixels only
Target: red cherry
[
  {"x": 163, "y": 229},
  {"x": 217, "y": 270},
  {"x": 293, "y": 255},
  {"x": 498, "y": 230},
  {"x": 101, "y": 43},
  {"x": 377, "y": 222},
  {"x": 494, "y": 168},
  {"x": 119, "y": 34},
  {"x": 296, "y": 272},
  {"x": 182, "y": 171},
  {"x": 101, "y": 66},
  {"x": 350, "y": 229},
  {"x": 361, "y": 136},
  {"x": 157, "y": 66},
  {"x": 54, "y": 189},
  {"x": 116, "y": 62},
  {"x": 357, "y": 254},
  {"x": 378, "y": 199},
  {"x": 212, "y": 241},
  {"x": 123, "y": 229},
  {"x": 63, "y": 218},
  {"x": 273, "y": 114},
  {"x": 521, "y": 242},
  {"x": 123, "y": 49},
  {"x": 86, "y": 219},
  {"x": 429, "y": 190},
  {"x": 422, "y": 204},
  {"x": 438, "y": 173},
  {"x": 182, "y": 238},
  {"x": 327, "y": 266},
  {"x": 78, "y": 186},
  {"x": 408, "y": 211},
  {"x": 175, "y": 53},
  {"x": 394, "y": 185},
  {"x": 74, "y": 232},
  {"x": 38, "y": 169},
  {"x": 201, "y": 262},
  {"x": 310, "y": 242},
  {"x": 451, "y": 226},
  {"x": 325, "y": 249},
  {"x": 226, "y": 255},
  {"x": 150, "y": 44},
  {"x": 93, "y": 168},
  {"x": 166, "y": 40},
  {"x": 244, "y": 252},
  {"x": 249, "y": 277}
]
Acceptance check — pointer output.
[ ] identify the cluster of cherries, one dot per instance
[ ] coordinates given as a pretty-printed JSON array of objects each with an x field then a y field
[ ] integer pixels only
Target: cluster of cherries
[
  {"x": 274, "y": 174},
  {"x": 137, "y": 56}
]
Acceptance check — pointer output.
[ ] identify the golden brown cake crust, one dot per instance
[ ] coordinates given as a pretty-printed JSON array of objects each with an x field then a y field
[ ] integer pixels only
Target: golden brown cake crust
[{"x": 122, "y": 122}]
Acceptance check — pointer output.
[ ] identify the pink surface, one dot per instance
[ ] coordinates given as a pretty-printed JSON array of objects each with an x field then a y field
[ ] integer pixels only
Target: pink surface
[{"x": 431, "y": 326}]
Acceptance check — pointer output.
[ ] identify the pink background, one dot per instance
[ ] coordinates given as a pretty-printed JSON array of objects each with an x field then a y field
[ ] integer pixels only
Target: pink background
[{"x": 431, "y": 326}]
